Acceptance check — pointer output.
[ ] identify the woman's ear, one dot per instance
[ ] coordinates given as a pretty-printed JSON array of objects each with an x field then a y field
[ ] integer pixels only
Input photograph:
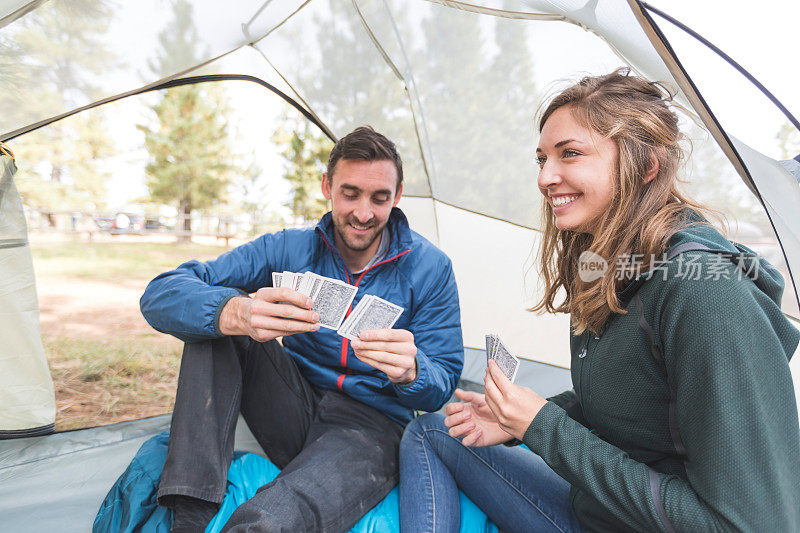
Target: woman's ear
[{"x": 652, "y": 172}]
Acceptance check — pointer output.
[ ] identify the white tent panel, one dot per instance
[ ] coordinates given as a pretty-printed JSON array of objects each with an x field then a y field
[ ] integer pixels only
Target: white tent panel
[
  {"x": 490, "y": 260},
  {"x": 496, "y": 277},
  {"x": 781, "y": 193},
  {"x": 421, "y": 214},
  {"x": 26, "y": 390}
]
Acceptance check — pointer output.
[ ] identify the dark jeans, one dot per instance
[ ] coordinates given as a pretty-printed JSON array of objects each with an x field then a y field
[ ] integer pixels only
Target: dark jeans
[
  {"x": 338, "y": 457},
  {"x": 513, "y": 486}
]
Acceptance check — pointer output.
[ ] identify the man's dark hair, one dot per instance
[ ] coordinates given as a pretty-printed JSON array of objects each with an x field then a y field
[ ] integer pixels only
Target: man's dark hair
[{"x": 365, "y": 144}]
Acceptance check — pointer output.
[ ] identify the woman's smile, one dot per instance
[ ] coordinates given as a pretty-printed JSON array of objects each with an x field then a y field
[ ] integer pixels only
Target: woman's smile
[{"x": 576, "y": 171}]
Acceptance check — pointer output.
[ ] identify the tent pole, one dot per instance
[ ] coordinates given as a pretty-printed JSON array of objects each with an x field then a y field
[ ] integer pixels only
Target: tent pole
[{"x": 664, "y": 49}]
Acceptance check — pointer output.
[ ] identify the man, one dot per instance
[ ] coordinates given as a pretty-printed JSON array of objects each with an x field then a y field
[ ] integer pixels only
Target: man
[{"x": 330, "y": 417}]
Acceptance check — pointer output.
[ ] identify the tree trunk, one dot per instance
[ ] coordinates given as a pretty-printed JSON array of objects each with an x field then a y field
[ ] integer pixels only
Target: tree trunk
[{"x": 185, "y": 229}]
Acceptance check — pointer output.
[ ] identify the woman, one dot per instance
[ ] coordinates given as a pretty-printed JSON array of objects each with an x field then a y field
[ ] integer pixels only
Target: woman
[{"x": 683, "y": 414}]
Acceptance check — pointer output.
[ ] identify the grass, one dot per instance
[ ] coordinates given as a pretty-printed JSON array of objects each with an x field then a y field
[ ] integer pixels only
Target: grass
[
  {"x": 102, "y": 381},
  {"x": 118, "y": 369},
  {"x": 112, "y": 261}
]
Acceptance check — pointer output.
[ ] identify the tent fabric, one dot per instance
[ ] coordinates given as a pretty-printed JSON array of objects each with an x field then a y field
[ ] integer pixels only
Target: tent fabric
[
  {"x": 793, "y": 166},
  {"x": 131, "y": 507},
  {"x": 57, "y": 482},
  {"x": 26, "y": 390}
]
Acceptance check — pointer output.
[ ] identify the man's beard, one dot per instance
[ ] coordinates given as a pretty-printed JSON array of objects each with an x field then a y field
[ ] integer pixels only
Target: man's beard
[{"x": 358, "y": 246}]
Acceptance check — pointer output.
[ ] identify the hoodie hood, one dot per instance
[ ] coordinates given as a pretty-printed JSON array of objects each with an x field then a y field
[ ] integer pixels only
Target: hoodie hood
[{"x": 700, "y": 236}]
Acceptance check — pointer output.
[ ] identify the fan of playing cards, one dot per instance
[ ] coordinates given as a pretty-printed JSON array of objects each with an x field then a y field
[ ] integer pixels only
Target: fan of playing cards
[
  {"x": 508, "y": 362},
  {"x": 332, "y": 299}
]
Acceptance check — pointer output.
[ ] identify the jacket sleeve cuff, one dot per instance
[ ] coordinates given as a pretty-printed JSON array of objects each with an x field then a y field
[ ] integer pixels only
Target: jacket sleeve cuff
[
  {"x": 221, "y": 304},
  {"x": 418, "y": 383},
  {"x": 541, "y": 426}
]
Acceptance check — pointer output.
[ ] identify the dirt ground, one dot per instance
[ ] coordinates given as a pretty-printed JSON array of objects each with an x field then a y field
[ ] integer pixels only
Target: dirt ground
[
  {"x": 108, "y": 365},
  {"x": 82, "y": 320},
  {"x": 71, "y": 307}
]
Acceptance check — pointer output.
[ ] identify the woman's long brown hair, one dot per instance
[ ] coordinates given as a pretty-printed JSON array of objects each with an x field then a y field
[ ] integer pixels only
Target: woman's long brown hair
[{"x": 636, "y": 115}]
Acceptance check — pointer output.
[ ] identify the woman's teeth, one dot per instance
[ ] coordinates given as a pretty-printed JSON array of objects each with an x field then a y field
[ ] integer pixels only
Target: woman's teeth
[{"x": 563, "y": 200}]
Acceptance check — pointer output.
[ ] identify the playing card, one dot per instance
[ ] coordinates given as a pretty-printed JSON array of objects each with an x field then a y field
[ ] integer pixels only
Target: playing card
[
  {"x": 507, "y": 362},
  {"x": 332, "y": 299},
  {"x": 276, "y": 279},
  {"x": 295, "y": 282},
  {"x": 355, "y": 317},
  {"x": 355, "y": 314},
  {"x": 374, "y": 313},
  {"x": 287, "y": 279},
  {"x": 309, "y": 283},
  {"x": 491, "y": 345}
]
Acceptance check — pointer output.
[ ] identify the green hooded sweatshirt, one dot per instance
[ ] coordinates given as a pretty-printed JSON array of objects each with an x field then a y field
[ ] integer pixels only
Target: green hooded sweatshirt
[{"x": 683, "y": 414}]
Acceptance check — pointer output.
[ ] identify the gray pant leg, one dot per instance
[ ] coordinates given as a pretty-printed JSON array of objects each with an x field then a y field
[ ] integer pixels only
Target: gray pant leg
[
  {"x": 218, "y": 378},
  {"x": 349, "y": 463}
]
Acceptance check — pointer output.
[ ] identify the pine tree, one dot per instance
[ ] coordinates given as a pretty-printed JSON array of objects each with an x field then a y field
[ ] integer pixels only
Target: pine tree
[
  {"x": 351, "y": 80},
  {"x": 191, "y": 163},
  {"x": 61, "y": 166},
  {"x": 305, "y": 153}
]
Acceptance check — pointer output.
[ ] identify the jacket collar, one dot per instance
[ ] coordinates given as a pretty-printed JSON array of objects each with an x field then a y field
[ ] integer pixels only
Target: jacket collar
[{"x": 399, "y": 231}]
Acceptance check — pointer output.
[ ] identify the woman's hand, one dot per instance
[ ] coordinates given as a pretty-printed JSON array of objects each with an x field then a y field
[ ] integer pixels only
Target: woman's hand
[
  {"x": 472, "y": 419},
  {"x": 513, "y": 406}
]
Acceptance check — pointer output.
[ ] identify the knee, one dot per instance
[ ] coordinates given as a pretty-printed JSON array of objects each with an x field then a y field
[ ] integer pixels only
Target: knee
[
  {"x": 423, "y": 423},
  {"x": 421, "y": 427}
]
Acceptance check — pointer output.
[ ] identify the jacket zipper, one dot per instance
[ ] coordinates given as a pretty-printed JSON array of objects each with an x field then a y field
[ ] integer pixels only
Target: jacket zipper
[
  {"x": 581, "y": 365},
  {"x": 345, "y": 342},
  {"x": 583, "y": 370}
]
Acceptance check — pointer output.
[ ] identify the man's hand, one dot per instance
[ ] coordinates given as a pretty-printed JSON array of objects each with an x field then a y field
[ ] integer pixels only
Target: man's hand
[
  {"x": 392, "y": 351},
  {"x": 513, "y": 406},
  {"x": 271, "y": 313},
  {"x": 472, "y": 419}
]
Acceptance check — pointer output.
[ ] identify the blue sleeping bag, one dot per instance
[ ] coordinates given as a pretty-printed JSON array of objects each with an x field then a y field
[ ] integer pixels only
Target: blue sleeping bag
[{"x": 130, "y": 506}]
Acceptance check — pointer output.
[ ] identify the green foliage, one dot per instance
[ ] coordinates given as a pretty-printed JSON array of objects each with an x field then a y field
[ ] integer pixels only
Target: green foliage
[
  {"x": 190, "y": 157},
  {"x": 305, "y": 153},
  {"x": 61, "y": 166},
  {"x": 191, "y": 163}
]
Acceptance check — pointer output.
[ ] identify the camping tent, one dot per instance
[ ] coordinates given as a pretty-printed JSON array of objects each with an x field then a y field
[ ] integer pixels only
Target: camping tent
[{"x": 450, "y": 81}]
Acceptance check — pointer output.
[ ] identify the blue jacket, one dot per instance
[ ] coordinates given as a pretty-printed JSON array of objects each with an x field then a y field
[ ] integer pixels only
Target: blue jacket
[{"x": 186, "y": 302}]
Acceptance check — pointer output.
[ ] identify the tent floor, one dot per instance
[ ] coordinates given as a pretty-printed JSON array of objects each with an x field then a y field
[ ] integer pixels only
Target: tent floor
[{"x": 57, "y": 482}]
